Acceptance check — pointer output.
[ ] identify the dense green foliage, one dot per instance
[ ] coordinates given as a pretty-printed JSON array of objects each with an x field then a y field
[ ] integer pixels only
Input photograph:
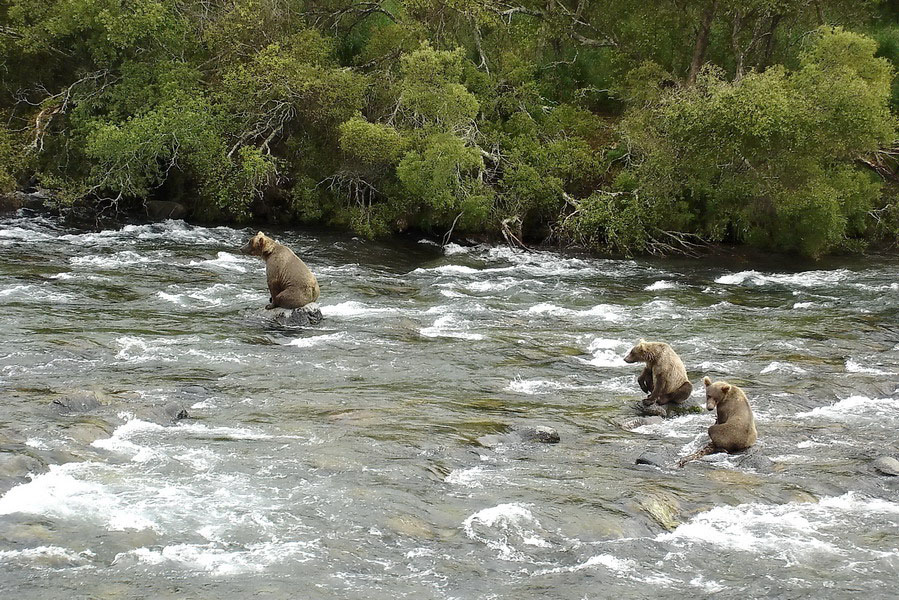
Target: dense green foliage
[{"x": 626, "y": 126}]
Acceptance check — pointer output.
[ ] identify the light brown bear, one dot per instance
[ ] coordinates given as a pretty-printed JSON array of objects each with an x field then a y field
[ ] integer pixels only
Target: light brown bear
[
  {"x": 734, "y": 429},
  {"x": 664, "y": 378},
  {"x": 290, "y": 282}
]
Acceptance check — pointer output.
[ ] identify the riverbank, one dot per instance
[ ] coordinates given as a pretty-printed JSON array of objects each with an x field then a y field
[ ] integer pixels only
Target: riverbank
[{"x": 89, "y": 214}]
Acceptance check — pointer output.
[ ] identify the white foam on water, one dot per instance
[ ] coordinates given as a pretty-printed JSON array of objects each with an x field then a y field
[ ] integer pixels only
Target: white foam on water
[
  {"x": 165, "y": 231},
  {"x": 500, "y": 284},
  {"x": 662, "y": 284},
  {"x": 782, "y": 367},
  {"x": 612, "y": 563},
  {"x": 856, "y": 408},
  {"x": 804, "y": 279},
  {"x": 708, "y": 585},
  {"x": 351, "y": 308},
  {"x": 451, "y": 249},
  {"x": 225, "y": 261},
  {"x": 476, "y": 477},
  {"x": 427, "y": 242},
  {"x": 36, "y": 293},
  {"x": 727, "y": 366},
  {"x": 793, "y": 532},
  {"x": 606, "y": 312},
  {"x": 8, "y": 235},
  {"x": 607, "y": 353},
  {"x": 120, "y": 440},
  {"x": 42, "y": 557},
  {"x": 684, "y": 426},
  {"x": 65, "y": 493},
  {"x": 137, "y": 349},
  {"x": 447, "y": 270},
  {"x": 200, "y": 431},
  {"x": 450, "y": 326},
  {"x": 893, "y": 287},
  {"x": 537, "y": 386},
  {"x": 853, "y": 366},
  {"x": 220, "y": 561},
  {"x": 219, "y": 294},
  {"x": 502, "y": 527},
  {"x": 802, "y": 305},
  {"x": 123, "y": 258},
  {"x": 308, "y": 342}
]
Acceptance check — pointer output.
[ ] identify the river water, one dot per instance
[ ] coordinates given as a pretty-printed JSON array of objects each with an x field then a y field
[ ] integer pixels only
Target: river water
[{"x": 369, "y": 456}]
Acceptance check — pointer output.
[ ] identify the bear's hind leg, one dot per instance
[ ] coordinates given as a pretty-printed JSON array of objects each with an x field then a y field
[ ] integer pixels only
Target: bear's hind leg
[{"x": 680, "y": 394}]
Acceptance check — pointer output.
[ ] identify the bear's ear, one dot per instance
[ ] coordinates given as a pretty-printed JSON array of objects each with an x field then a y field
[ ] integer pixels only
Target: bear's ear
[
  {"x": 725, "y": 388},
  {"x": 707, "y": 381}
]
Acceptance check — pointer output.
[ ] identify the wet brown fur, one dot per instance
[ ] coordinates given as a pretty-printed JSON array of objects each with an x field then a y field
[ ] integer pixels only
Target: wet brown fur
[
  {"x": 290, "y": 282},
  {"x": 734, "y": 428},
  {"x": 664, "y": 378}
]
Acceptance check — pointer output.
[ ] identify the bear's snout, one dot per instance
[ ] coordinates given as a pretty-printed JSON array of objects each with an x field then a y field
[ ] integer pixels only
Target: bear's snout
[
  {"x": 710, "y": 404},
  {"x": 247, "y": 248}
]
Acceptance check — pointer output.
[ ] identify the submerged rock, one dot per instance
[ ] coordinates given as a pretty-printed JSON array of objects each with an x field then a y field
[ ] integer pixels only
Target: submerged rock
[
  {"x": 298, "y": 317},
  {"x": 540, "y": 434},
  {"x": 78, "y": 402},
  {"x": 15, "y": 468},
  {"x": 755, "y": 460},
  {"x": 631, "y": 423},
  {"x": 663, "y": 507},
  {"x": 663, "y": 458},
  {"x": 887, "y": 465}
]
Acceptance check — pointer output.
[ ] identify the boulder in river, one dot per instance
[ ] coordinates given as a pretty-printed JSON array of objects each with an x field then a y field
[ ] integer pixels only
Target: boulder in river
[
  {"x": 663, "y": 458},
  {"x": 887, "y": 465},
  {"x": 539, "y": 434},
  {"x": 78, "y": 402},
  {"x": 298, "y": 317}
]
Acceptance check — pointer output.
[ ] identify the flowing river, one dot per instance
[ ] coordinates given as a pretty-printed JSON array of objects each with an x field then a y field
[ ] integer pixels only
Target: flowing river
[{"x": 369, "y": 456}]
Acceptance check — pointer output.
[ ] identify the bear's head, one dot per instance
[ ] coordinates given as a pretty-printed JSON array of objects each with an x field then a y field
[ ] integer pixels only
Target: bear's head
[
  {"x": 259, "y": 245},
  {"x": 714, "y": 392},
  {"x": 638, "y": 353}
]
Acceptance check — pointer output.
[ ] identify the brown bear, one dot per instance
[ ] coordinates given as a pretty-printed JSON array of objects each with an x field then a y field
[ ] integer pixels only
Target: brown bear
[
  {"x": 290, "y": 282},
  {"x": 734, "y": 428},
  {"x": 664, "y": 378}
]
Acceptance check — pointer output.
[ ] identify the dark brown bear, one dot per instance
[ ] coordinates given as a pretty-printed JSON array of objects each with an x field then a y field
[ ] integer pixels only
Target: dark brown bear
[
  {"x": 664, "y": 378},
  {"x": 290, "y": 282},
  {"x": 734, "y": 428}
]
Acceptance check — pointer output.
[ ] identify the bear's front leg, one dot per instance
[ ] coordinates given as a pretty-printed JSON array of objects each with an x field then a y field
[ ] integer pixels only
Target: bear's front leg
[{"x": 645, "y": 380}]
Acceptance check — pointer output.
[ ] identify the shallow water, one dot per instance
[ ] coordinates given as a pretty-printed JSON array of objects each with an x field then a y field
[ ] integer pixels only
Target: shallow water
[{"x": 343, "y": 460}]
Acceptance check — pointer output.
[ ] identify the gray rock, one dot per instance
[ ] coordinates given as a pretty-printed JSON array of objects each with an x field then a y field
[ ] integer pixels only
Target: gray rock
[
  {"x": 159, "y": 210},
  {"x": 755, "y": 460},
  {"x": 77, "y": 402},
  {"x": 540, "y": 434},
  {"x": 662, "y": 458},
  {"x": 15, "y": 468},
  {"x": 298, "y": 317},
  {"x": 887, "y": 465},
  {"x": 175, "y": 411}
]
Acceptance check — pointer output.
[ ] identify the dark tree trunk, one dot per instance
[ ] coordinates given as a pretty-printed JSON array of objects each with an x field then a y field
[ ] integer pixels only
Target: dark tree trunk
[
  {"x": 768, "y": 51},
  {"x": 702, "y": 42}
]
